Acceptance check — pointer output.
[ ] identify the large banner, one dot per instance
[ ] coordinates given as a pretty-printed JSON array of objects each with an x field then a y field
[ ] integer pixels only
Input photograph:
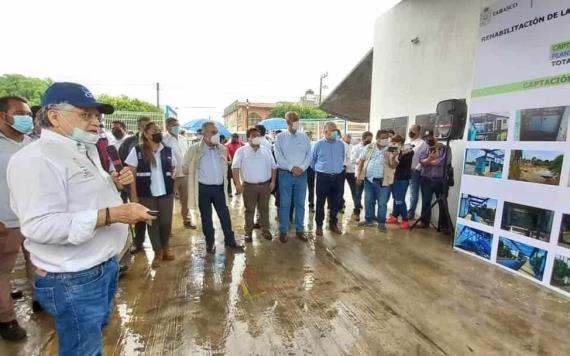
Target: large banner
[{"x": 514, "y": 208}]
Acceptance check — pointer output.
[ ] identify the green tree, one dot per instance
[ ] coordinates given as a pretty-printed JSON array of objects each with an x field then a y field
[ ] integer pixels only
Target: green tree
[
  {"x": 28, "y": 87},
  {"x": 555, "y": 165},
  {"x": 125, "y": 103},
  {"x": 305, "y": 112}
]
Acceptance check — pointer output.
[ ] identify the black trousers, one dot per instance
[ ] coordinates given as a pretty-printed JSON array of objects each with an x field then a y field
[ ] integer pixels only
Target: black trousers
[
  {"x": 429, "y": 188},
  {"x": 329, "y": 187},
  {"x": 140, "y": 232},
  {"x": 214, "y": 195},
  {"x": 351, "y": 180},
  {"x": 311, "y": 186}
]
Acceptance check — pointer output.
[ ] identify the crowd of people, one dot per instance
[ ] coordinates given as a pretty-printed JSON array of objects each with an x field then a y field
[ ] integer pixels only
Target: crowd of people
[{"x": 66, "y": 202}]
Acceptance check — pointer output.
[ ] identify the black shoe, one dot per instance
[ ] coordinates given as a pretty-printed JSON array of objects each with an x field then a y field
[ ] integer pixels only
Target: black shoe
[
  {"x": 235, "y": 245},
  {"x": 248, "y": 238},
  {"x": 211, "y": 249},
  {"x": 17, "y": 294},
  {"x": 256, "y": 226},
  {"x": 37, "y": 307},
  {"x": 12, "y": 331},
  {"x": 123, "y": 269}
]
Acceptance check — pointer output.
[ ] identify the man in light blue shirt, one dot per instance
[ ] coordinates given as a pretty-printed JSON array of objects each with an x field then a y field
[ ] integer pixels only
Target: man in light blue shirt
[
  {"x": 328, "y": 158},
  {"x": 293, "y": 156}
]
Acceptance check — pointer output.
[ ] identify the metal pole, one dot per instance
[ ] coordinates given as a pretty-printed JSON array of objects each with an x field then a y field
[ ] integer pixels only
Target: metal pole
[
  {"x": 246, "y": 114},
  {"x": 158, "y": 95},
  {"x": 320, "y": 90}
]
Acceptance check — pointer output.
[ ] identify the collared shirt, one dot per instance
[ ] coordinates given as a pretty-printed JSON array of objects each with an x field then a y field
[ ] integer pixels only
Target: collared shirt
[
  {"x": 265, "y": 143},
  {"x": 356, "y": 153},
  {"x": 232, "y": 148},
  {"x": 178, "y": 147},
  {"x": 419, "y": 144},
  {"x": 328, "y": 156},
  {"x": 157, "y": 185},
  {"x": 57, "y": 186},
  {"x": 8, "y": 148},
  {"x": 348, "y": 163},
  {"x": 210, "y": 170},
  {"x": 375, "y": 167},
  {"x": 434, "y": 171},
  {"x": 255, "y": 165},
  {"x": 292, "y": 150}
]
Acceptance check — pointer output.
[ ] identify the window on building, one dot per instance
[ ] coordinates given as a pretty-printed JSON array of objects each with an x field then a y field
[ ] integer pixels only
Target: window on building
[
  {"x": 253, "y": 119},
  {"x": 426, "y": 122},
  {"x": 398, "y": 124}
]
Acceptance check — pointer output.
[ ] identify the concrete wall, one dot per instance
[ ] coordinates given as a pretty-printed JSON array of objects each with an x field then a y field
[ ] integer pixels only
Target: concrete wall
[{"x": 410, "y": 79}]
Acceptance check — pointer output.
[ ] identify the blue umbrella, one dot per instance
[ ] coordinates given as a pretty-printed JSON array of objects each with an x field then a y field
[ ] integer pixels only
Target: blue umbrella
[
  {"x": 194, "y": 125},
  {"x": 274, "y": 123}
]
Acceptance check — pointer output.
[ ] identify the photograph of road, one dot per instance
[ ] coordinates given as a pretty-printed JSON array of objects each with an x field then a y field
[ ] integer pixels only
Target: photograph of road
[
  {"x": 488, "y": 127},
  {"x": 561, "y": 273},
  {"x": 528, "y": 221},
  {"x": 478, "y": 209},
  {"x": 542, "y": 124},
  {"x": 521, "y": 257},
  {"x": 484, "y": 162},
  {"x": 542, "y": 167}
]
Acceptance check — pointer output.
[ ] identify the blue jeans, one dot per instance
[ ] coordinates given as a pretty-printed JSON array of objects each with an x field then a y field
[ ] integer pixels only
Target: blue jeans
[
  {"x": 414, "y": 191},
  {"x": 375, "y": 193},
  {"x": 399, "y": 189},
  {"x": 80, "y": 303},
  {"x": 295, "y": 188},
  {"x": 359, "y": 189}
]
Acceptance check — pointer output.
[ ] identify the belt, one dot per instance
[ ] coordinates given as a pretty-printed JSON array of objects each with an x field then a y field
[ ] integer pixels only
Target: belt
[
  {"x": 329, "y": 174},
  {"x": 377, "y": 179},
  {"x": 211, "y": 185},
  {"x": 262, "y": 183}
]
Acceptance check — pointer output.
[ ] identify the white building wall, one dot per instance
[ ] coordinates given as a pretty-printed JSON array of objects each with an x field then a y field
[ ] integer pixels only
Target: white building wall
[{"x": 410, "y": 79}]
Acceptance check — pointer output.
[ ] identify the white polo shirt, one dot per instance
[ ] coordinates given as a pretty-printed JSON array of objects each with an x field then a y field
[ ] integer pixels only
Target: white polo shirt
[
  {"x": 157, "y": 185},
  {"x": 255, "y": 165},
  {"x": 178, "y": 146},
  {"x": 57, "y": 185}
]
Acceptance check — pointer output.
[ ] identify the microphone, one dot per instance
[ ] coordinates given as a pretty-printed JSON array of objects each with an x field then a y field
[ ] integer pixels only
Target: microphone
[{"x": 115, "y": 159}]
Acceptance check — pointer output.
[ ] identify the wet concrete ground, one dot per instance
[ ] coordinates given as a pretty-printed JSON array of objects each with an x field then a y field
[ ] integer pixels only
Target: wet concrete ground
[{"x": 362, "y": 293}]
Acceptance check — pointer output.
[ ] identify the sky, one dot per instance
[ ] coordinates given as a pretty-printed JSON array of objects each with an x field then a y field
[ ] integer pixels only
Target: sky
[{"x": 204, "y": 54}]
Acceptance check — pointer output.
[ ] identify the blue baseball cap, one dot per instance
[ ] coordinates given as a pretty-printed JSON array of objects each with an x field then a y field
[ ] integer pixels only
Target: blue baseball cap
[{"x": 74, "y": 94}]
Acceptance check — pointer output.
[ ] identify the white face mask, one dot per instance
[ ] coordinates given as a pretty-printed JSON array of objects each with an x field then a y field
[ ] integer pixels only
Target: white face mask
[
  {"x": 295, "y": 126},
  {"x": 256, "y": 141},
  {"x": 215, "y": 140},
  {"x": 383, "y": 142}
]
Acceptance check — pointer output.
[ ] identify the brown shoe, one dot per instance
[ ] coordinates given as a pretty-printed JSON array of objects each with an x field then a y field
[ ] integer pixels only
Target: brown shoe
[
  {"x": 334, "y": 228},
  {"x": 168, "y": 254},
  {"x": 188, "y": 224},
  {"x": 422, "y": 225},
  {"x": 301, "y": 236},
  {"x": 267, "y": 235},
  {"x": 157, "y": 259},
  {"x": 319, "y": 231},
  {"x": 356, "y": 217},
  {"x": 283, "y": 238}
]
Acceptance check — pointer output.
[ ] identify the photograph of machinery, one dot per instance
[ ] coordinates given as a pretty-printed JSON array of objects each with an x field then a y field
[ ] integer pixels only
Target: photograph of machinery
[
  {"x": 561, "y": 273},
  {"x": 484, "y": 162},
  {"x": 474, "y": 241},
  {"x": 564, "y": 238},
  {"x": 542, "y": 167},
  {"x": 521, "y": 257},
  {"x": 478, "y": 209},
  {"x": 528, "y": 221},
  {"x": 542, "y": 124},
  {"x": 488, "y": 127}
]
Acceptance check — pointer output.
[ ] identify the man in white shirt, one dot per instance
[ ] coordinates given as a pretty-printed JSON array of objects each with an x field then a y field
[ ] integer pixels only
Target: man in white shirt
[
  {"x": 349, "y": 169},
  {"x": 258, "y": 169},
  {"x": 355, "y": 154},
  {"x": 415, "y": 140},
  {"x": 72, "y": 216},
  {"x": 15, "y": 123},
  {"x": 178, "y": 146}
]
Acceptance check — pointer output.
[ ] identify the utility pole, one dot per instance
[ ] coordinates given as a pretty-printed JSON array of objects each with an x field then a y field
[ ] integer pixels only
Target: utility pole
[
  {"x": 246, "y": 114},
  {"x": 158, "y": 95},
  {"x": 323, "y": 76}
]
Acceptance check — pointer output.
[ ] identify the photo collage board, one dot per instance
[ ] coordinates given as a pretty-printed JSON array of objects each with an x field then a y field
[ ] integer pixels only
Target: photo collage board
[{"x": 514, "y": 207}]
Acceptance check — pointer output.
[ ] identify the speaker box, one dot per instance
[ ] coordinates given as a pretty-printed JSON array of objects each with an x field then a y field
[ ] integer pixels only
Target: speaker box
[{"x": 450, "y": 120}]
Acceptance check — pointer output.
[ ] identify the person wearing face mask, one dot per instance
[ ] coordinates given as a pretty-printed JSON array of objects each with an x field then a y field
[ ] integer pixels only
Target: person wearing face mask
[
  {"x": 433, "y": 158},
  {"x": 401, "y": 182},
  {"x": 293, "y": 155},
  {"x": 376, "y": 172},
  {"x": 172, "y": 139},
  {"x": 415, "y": 139},
  {"x": 256, "y": 165},
  {"x": 205, "y": 165},
  {"x": 357, "y": 150},
  {"x": 327, "y": 159},
  {"x": 15, "y": 123},
  {"x": 154, "y": 164},
  {"x": 119, "y": 132},
  {"x": 72, "y": 216},
  {"x": 232, "y": 147}
]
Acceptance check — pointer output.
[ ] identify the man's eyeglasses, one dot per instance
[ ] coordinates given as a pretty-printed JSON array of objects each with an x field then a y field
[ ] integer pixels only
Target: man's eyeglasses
[{"x": 86, "y": 116}]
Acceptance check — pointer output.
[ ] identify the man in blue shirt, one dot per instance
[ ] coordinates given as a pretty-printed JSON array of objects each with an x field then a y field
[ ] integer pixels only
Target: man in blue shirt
[
  {"x": 293, "y": 156},
  {"x": 328, "y": 162}
]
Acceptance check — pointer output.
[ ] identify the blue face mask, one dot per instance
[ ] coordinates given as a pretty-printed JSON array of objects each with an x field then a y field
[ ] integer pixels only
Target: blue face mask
[
  {"x": 83, "y": 136},
  {"x": 335, "y": 135},
  {"x": 175, "y": 130},
  {"x": 23, "y": 124}
]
